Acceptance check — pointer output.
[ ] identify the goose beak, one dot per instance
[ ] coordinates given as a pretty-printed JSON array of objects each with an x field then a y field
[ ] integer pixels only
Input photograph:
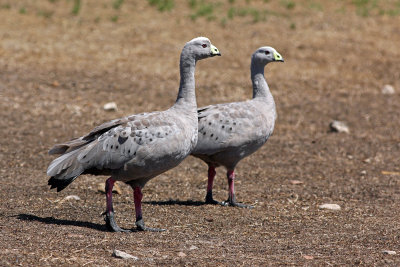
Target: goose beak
[
  {"x": 214, "y": 51},
  {"x": 278, "y": 57}
]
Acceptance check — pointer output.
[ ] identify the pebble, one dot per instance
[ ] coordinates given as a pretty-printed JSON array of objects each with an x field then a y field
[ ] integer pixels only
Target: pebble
[
  {"x": 111, "y": 106},
  {"x": 339, "y": 126},
  {"x": 123, "y": 255},
  {"x": 296, "y": 182},
  {"x": 308, "y": 257},
  {"x": 388, "y": 89},
  {"x": 389, "y": 252},
  {"x": 363, "y": 172},
  {"x": 330, "y": 206},
  {"x": 368, "y": 160},
  {"x": 73, "y": 197},
  {"x": 181, "y": 254},
  {"x": 193, "y": 247}
]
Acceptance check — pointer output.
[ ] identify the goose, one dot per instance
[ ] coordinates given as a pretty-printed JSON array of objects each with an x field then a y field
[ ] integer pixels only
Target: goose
[
  {"x": 136, "y": 148},
  {"x": 232, "y": 131}
]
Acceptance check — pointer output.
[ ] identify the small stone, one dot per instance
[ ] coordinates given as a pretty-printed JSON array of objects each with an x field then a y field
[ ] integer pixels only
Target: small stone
[
  {"x": 329, "y": 206},
  {"x": 76, "y": 236},
  {"x": 73, "y": 197},
  {"x": 116, "y": 188},
  {"x": 75, "y": 110},
  {"x": 55, "y": 84},
  {"x": 388, "y": 89},
  {"x": 193, "y": 247},
  {"x": 339, "y": 126},
  {"x": 123, "y": 255},
  {"x": 389, "y": 252},
  {"x": 367, "y": 160},
  {"x": 181, "y": 254},
  {"x": 308, "y": 257},
  {"x": 296, "y": 182},
  {"x": 350, "y": 157},
  {"x": 363, "y": 172},
  {"x": 111, "y": 106}
]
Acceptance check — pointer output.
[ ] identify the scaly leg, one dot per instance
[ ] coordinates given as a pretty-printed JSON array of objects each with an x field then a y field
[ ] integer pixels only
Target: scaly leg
[
  {"x": 209, "y": 196},
  {"x": 137, "y": 196},
  {"x": 231, "y": 197},
  {"x": 110, "y": 221}
]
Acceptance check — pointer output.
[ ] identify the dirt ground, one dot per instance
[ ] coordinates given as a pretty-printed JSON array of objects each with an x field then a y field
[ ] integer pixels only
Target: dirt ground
[{"x": 57, "y": 70}]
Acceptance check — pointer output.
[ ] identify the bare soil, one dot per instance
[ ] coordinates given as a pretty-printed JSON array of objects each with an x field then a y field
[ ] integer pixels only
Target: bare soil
[{"x": 57, "y": 70}]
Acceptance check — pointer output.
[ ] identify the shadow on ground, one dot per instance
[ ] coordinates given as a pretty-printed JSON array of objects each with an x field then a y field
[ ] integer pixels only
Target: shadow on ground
[
  {"x": 172, "y": 202},
  {"x": 51, "y": 220}
]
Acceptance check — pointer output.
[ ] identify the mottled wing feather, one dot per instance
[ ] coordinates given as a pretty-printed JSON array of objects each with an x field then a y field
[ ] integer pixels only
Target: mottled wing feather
[
  {"x": 83, "y": 140},
  {"x": 228, "y": 125},
  {"x": 132, "y": 142}
]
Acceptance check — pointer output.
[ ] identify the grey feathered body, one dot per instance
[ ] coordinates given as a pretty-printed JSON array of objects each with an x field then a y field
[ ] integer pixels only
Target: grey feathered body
[
  {"x": 125, "y": 148},
  {"x": 229, "y": 132}
]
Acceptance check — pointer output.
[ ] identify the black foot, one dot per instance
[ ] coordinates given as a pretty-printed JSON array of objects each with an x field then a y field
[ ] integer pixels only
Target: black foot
[
  {"x": 232, "y": 202},
  {"x": 211, "y": 201},
  {"x": 140, "y": 227},
  {"x": 112, "y": 225}
]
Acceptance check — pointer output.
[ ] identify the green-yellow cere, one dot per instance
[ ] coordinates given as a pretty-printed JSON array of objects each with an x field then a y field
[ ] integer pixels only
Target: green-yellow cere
[
  {"x": 214, "y": 50},
  {"x": 277, "y": 56}
]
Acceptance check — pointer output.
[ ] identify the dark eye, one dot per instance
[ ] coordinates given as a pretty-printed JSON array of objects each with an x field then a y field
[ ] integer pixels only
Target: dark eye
[
  {"x": 204, "y": 45},
  {"x": 266, "y": 52}
]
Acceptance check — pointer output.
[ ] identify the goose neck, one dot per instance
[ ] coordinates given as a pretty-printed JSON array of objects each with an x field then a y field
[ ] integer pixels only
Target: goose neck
[
  {"x": 260, "y": 86},
  {"x": 187, "y": 92}
]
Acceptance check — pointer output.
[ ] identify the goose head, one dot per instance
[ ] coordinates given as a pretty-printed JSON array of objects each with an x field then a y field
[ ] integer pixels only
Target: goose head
[
  {"x": 200, "y": 48},
  {"x": 265, "y": 55}
]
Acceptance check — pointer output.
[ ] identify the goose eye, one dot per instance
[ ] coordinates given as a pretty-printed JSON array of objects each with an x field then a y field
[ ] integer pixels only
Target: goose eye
[
  {"x": 266, "y": 52},
  {"x": 204, "y": 45}
]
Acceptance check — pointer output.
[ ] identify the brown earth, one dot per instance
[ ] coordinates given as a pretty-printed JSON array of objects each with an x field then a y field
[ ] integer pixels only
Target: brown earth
[{"x": 57, "y": 70}]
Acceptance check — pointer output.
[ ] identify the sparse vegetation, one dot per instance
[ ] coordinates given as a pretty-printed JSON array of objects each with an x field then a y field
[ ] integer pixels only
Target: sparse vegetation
[
  {"x": 114, "y": 18},
  {"x": 203, "y": 9},
  {"x": 256, "y": 14},
  {"x": 289, "y": 4},
  {"x": 367, "y": 8},
  {"x": 76, "y": 8},
  {"x": 162, "y": 5},
  {"x": 117, "y": 4},
  {"x": 222, "y": 11},
  {"x": 6, "y": 6},
  {"x": 45, "y": 13}
]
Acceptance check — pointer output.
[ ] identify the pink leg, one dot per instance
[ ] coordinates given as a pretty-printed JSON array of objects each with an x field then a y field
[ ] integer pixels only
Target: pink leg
[
  {"x": 109, "y": 187},
  {"x": 137, "y": 197},
  {"x": 110, "y": 221},
  {"x": 211, "y": 175},
  {"x": 231, "y": 196}
]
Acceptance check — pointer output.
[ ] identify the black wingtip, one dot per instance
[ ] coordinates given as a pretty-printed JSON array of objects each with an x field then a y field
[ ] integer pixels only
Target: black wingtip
[{"x": 59, "y": 184}]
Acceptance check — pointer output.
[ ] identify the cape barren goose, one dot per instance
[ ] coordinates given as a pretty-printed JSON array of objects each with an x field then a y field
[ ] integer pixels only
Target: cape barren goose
[
  {"x": 229, "y": 132},
  {"x": 136, "y": 148}
]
